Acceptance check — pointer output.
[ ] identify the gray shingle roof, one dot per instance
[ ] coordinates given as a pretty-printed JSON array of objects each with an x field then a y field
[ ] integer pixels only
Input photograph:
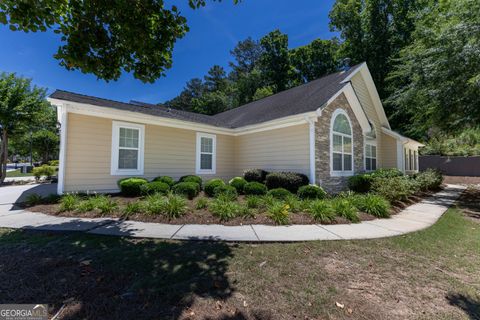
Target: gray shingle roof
[{"x": 304, "y": 98}]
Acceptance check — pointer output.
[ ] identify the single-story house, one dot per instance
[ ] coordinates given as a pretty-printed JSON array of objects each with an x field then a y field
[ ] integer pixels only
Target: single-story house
[{"x": 328, "y": 129}]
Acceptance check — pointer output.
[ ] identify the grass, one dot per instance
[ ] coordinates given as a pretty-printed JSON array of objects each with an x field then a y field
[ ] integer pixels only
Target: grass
[
  {"x": 431, "y": 274},
  {"x": 18, "y": 173}
]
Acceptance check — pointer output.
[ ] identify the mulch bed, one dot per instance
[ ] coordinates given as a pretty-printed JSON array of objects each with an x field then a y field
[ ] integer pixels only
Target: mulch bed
[{"x": 194, "y": 216}]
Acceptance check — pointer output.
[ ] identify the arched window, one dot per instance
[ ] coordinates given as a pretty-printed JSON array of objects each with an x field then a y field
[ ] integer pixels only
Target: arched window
[{"x": 341, "y": 142}]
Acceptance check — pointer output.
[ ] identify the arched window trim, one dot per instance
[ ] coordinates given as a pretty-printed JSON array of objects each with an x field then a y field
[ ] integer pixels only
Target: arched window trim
[{"x": 341, "y": 173}]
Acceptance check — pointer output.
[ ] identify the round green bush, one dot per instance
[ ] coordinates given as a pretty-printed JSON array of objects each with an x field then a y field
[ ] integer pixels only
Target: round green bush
[
  {"x": 287, "y": 180},
  {"x": 361, "y": 183},
  {"x": 191, "y": 178},
  {"x": 187, "y": 189},
  {"x": 226, "y": 191},
  {"x": 131, "y": 187},
  {"x": 155, "y": 187},
  {"x": 255, "y": 188},
  {"x": 165, "y": 179},
  {"x": 257, "y": 175},
  {"x": 238, "y": 183},
  {"x": 279, "y": 193},
  {"x": 311, "y": 192},
  {"x": 210, "y": 186}
]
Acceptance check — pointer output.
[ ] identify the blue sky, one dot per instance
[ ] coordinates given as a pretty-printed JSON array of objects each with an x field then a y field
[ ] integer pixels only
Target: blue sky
[{"x": 214, "y": 31}]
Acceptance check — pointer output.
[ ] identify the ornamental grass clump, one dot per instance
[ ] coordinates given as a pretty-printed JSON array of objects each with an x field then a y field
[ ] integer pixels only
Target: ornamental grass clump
[
  {"x": 322, "y": 211},
  {"x": 279, "y": 212},
  {"x": 224, "y": 208},
  {"x": 372, "y": 204},
  {"x": 202, "y": 203},
  {"x": 69, "y": 202},
  {"x": 174, "y": 205},
  {"x": 133, "y": 208},
  {"x": 344, "y": 208}
]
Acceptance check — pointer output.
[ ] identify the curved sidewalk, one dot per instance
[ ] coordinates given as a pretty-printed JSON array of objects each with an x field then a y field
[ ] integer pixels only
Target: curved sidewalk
[{"x": 416, "y": 217}]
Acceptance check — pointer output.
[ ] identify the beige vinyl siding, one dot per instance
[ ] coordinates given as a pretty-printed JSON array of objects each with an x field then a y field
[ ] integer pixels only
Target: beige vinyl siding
[
  {"x": 168, "y": 151},
  {"x": 389, "y": 151},
  {"x": 274, "y": 150}
]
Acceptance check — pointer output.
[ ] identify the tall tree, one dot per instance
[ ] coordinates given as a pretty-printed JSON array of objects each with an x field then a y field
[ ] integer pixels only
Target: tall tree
[
  {"x": 20, "y": 104},
  {"x": 216, "y": 79},
  {"x": 194, "y": 88},
  {"x": 105, "y": 37},
  {"x": 246, "y": 53},
  {"x": 274, "y": 61}
]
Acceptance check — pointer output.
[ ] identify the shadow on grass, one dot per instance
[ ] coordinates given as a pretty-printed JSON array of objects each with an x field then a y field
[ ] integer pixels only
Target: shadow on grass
[
  {"x": 101, "y": 277},
  {"x": 470, "y": 306}
]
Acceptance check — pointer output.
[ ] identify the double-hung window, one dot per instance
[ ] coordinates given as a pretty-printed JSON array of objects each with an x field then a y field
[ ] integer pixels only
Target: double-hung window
[
  {"x": 206, "y": 153},
  {"x": 127, "y": 148},
  {"x": 370, "y": 157},
  {"x": 341, "y": 138}
]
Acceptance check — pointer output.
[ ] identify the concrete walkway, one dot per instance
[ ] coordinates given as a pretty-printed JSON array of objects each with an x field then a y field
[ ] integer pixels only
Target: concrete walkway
[{"x": 416, "y": 217}]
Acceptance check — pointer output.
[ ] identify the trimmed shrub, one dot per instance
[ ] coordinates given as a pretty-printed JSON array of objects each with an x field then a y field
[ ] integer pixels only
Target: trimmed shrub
[
  {"x": 311, "y": 192},
  {"x": 344, "y": 208},
  {"x": 279, "y": 212},
  {"x": 372, "y": 204},
  {"x": 165, "y": 179},
  {"x": 255, "y": 188},
  {"x": 131, "y": 187},
  {"x": 279, "y": 193},
  {"x": 154, "y": 187},
  {"x": 394, "y": 188},
  {"x": 322, "y": 210},
  {"x": 255, "y": 175},
  {"x": 238, "y": 183},
  {"x": 191, "y": 178},
  {"x": 291, "y": 181},
  {"x": 210, "y": 186},
  {"x": 226, "y": 191},
  {"x": 44, "y": 170},
  {"x": 187, "y": 189},
  {"x": 429, "y": 180},
  {"x": 361, "y": 183}
]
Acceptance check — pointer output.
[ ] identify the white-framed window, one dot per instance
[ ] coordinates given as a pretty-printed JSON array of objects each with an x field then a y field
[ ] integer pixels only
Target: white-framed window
[
  {"x": 370, "y": 156},
  {"x": 127, "y": 148},
  {"x": 341, "y": 144},
  {"x": 206, "y": 153}
]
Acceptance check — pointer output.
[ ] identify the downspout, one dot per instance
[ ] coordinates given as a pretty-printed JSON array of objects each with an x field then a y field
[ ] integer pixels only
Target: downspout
[{"x": 311, "y": 130}]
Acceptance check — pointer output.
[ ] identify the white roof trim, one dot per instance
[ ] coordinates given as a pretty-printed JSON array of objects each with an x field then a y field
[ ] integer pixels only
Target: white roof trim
[{"x": 401, "y": 138}]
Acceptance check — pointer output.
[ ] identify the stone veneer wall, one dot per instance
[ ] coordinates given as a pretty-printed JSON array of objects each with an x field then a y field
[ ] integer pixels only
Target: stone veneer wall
[{"x": 322, "y": 146}]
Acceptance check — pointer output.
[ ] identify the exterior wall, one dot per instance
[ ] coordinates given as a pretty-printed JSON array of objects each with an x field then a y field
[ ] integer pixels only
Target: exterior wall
[
  {"x": 284, "y": 149},
  {"x": 389, "y": 151},
  {"x": 322, "y": 146},
  {"x": 168, "y": 151}
]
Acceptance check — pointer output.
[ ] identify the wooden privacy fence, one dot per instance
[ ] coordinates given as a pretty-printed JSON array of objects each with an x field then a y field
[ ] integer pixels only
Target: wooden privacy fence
[{"x": 452, "y": 165}]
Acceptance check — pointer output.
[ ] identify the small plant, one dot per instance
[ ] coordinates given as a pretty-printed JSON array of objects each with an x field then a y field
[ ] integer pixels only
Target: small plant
[
  {"x": 202, "y": 203},
  {"x": 52, "y": 198},
  {"x": 155, "y": 187},
  {"x": 238, "y": 183},
  {"x": 85, "y": 205},
  {"x": 54, "y": 163},
  {"x": 131, "y": 187},
  {"x": 344, "y": 208},
  {"x": 33, "y": 199},
  {"x": 429, "y": 179},
  {"x": 295, "y": 204},
  {"x": 154, "y": 204},
  {"x": 224, "y": 208},
  {"x": 69, "y": 202},
  {"x": 322, "y": 210},
  {"x": 246, "y": 212},
  {"x": 255, "y": 175},
  {"x": 105, "y": 204},
  {"x": 279, "y": 193},
  {"x": 253, "y": 202},
  {"x": 255, "y": 188},
  {"x": 192, "y": 178},
  {"x": 268, "y": 200},
  {"x": 44, "y": 170},
  {"x": 394, "y": 188},
  {"x": 165, "y": 179},
  {"x": 132, "y": 208},
  {"x": 174, "y": 206},
  {"x": 187, "y": 189},
  {"x": 210, "y": 186},
  {"x": 226, "y": 191},
  {"x": 372, "y": 204},
  {"x": 311, "y": 192},
  {"x": 279, "y": 212}
]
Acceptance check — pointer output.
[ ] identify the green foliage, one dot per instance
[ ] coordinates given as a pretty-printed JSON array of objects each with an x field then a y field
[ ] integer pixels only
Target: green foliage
[
  {"x": 51, "y": 198},
  {"x": 344, "y": 208},
  {"x": 238, "y": 183},
  {"x": 429, "y": 180},
  {"x": 210, "y": 186},
  {"x": 226, "y": 191},
  {"x": 154, "y": 187},
  {"x": 69, "y": 202},
  {"x": 133, "y": 208},
  {"x": 257, "y": 175},
  {"x": 291, "y": 181},
  {"x": 261, "y": 93},
  {"x": 255, "y": 188},
  {"x": 165, "y": 179},
  {"x": 311, "y": 192},
  {"x": 279, "y": 212},
  {"x": 131, "y": 187},
  {"x": 174, "y": 205},
  {"x": 187, "y": 189},
  {"x": 275, "y": 61},
  {"x": 33, "y": 199},
  {"x": 361, "y": 183},
  {"x": 322, "y": 211},
  {"x": 154, "y": 204},
  {"x": 372, "y": 204},
  {"x": 102, "y": 203},
  {"x": 54, "y": 163},
  {"x": 202, "y": 203},
  {"x": 279, "y": 193},
  {"x": 253, "y": 202},
  {"x": 43, "y": 171},
  {"x": 191, "y": 178},
  {"x": 45, "y": 143},
  {"x": 394, "y": 188},
  {"x": 464, "y": 143},
  {"x": 224, "y": 208},
  {"x": 294, "y": 202}
]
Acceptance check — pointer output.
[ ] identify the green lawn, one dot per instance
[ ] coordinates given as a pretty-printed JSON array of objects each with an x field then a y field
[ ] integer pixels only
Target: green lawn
[
  {"x": 432, "y": 274},
  {"x": 17, "y": 173}
]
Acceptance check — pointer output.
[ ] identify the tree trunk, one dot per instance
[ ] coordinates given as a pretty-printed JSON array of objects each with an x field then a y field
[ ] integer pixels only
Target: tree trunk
[{"x": 3, "y": 156}]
